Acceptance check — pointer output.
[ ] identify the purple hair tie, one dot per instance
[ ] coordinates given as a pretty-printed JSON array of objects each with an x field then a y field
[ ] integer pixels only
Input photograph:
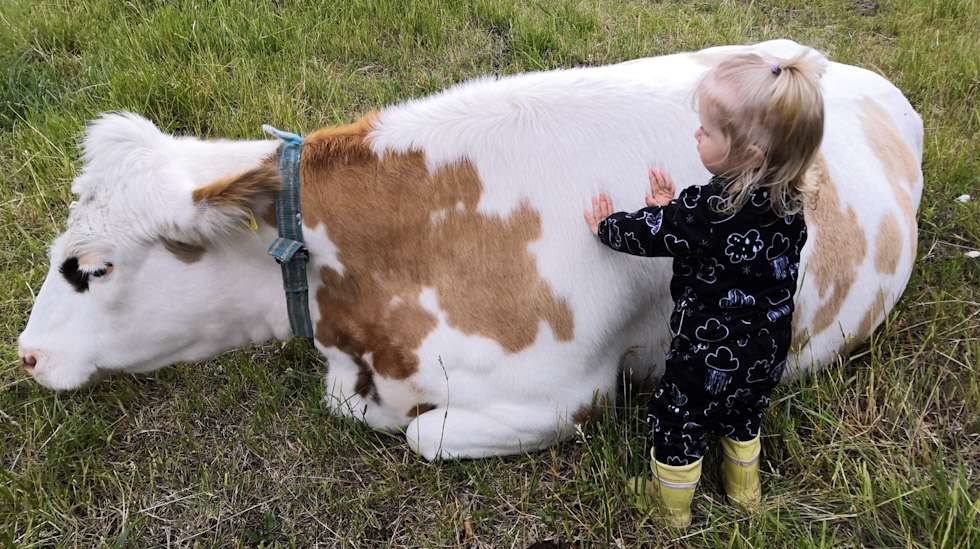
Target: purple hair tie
[{"x": 776, "y": 69}]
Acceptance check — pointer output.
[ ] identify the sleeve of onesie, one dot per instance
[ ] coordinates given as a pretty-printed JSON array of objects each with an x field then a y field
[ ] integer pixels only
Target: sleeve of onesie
[{"x": 669, "y": 231}]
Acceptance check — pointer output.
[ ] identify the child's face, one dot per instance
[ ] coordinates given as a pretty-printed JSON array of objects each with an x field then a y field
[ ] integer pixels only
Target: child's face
[{"x": 713, "y": 146}]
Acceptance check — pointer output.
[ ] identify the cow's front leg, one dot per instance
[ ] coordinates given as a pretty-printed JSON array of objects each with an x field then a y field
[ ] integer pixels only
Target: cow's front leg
[
  {"x": 447, "y": 433},
  {"x": 350, "y": 391}
]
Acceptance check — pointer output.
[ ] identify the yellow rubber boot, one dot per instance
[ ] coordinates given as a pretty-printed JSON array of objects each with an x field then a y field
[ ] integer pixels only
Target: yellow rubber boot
[
  {"x": 642, "y": 491},
  {"x": 676, "y": 489},
  {"x": 740, "y": 471},
  {"x": 672, "y": 489}
]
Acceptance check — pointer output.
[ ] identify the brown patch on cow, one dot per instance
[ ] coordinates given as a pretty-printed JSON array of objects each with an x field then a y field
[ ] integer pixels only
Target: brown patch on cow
[
  {"x": 364, "y": 384},
  {"x": 800, "y": 336},
  {"x": 400, "y": 230},
  {"x": 888, "y": 245},
  {"x": 186, "y": 252},
  {"x": 240, "y": 191},
  {"x": 908, "y": 211},
  {"x": 419, "y": 409},
  {"x": 269, "y": 215},
  {"x": 342, "y": 146},
  {"x": 901, "y": 167},
  {"x": 839, "y": 247},
  {"x": 871, "y": 318},
  {"x": 592, "y": 413},
  {"x": 887, "y": 143},
  {"x": 587, "y": 414},
  {"x": 360, "y": 315}
]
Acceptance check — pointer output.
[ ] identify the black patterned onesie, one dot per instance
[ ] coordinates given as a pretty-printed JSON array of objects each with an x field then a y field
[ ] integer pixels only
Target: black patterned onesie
[{"x": 733, "y": 285}]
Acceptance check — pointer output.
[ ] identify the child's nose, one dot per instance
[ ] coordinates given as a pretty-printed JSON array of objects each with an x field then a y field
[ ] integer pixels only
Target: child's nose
[{"x": 697, "y": 134}]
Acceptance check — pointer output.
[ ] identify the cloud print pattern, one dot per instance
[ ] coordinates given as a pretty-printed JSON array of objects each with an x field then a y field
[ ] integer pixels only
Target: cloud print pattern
[{"x": 734, "y": 277}]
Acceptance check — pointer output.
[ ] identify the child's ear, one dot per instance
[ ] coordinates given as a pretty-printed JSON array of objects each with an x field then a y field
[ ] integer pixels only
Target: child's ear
[{"x": 756, "y": 156}]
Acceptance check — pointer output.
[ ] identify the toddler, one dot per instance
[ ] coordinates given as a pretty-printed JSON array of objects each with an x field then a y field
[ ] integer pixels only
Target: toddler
[{"x": 736, "y": 245}]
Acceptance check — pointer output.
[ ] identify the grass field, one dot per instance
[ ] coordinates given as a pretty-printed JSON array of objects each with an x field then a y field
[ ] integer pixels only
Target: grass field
[{"x": 882, "y": 450}]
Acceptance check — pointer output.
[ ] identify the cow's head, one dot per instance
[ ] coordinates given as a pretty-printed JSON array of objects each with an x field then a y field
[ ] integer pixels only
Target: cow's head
[{"x": 157, "y": 264}]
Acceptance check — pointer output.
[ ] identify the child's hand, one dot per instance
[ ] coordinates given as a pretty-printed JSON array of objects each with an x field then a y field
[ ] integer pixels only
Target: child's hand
[
  {"x": 661, "y": 188},
  {"x": 601, "y": 208}
]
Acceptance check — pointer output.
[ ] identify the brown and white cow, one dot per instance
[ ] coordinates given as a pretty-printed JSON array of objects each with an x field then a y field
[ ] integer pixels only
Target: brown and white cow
[{"x": 455, "y": 291}]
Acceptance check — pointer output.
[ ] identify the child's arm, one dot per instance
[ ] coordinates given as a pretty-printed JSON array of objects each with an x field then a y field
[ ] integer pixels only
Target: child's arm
[{"x": 665, "y": 228}]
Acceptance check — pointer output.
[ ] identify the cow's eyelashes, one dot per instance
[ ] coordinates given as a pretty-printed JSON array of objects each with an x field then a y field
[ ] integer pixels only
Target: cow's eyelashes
[
  {"x": 103, "y": 271},
  {"x": 79, "y": 278}
]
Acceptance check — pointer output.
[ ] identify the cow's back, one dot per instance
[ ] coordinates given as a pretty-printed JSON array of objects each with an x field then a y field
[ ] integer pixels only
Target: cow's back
[{"x": 553, "y": 139}]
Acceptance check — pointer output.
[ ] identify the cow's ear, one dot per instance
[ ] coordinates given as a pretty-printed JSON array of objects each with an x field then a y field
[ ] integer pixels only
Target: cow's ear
[
  {"x": 231, "y": 200},
  {"x": 241, "y": 190}
]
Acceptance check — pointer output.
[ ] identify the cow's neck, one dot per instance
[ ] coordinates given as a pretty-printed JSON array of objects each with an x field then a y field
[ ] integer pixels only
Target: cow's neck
[
  {"x": 253, "y": 298},
  {"x": 247, "y": 302}
]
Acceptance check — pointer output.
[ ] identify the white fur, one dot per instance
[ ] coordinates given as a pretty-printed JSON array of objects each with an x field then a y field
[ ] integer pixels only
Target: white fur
[
  {"x": 152, "y": 310},
  {"x": 552, "y": 139}
]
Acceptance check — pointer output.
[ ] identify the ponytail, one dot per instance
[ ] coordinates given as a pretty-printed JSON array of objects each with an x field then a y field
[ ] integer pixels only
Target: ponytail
[{"x": 774, "y": 107}]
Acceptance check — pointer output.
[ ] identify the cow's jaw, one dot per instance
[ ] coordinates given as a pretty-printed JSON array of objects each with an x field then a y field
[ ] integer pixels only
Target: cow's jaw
[{"x": 152, "y": 311}]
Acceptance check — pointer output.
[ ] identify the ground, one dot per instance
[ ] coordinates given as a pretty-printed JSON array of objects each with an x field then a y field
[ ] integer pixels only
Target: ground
[{"x": 880, "y": 450}]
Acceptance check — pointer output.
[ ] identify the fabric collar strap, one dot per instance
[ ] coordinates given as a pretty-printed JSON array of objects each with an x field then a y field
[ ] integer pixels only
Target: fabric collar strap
[{"x": 289, "y": 249}]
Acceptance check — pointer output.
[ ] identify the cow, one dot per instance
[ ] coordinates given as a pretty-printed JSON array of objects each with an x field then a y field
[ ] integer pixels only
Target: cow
[{"x": 455, "y": 291}]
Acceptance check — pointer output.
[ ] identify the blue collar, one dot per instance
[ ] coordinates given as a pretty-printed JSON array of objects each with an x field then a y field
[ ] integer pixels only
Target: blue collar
[{"x": 289, "y": 249}]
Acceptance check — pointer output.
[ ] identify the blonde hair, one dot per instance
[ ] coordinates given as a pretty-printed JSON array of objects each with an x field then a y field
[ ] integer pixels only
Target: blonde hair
[{"x": 770, "y": 106}]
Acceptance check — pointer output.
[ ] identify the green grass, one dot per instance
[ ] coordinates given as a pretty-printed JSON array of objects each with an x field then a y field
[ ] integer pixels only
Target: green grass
[{"x": 881, "y": 450}]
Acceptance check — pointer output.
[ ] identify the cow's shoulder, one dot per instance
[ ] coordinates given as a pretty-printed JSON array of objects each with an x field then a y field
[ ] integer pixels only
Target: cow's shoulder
[{"x": 416, "y": 255}]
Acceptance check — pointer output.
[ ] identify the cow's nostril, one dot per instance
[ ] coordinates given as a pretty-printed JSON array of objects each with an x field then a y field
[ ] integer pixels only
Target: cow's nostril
[{"x": 28, "y": 362}]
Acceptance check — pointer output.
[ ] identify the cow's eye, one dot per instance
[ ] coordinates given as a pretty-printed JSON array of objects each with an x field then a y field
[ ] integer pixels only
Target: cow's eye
[
  {"x": 78, "y": 277},
  {"x": 103, "y": 271}
]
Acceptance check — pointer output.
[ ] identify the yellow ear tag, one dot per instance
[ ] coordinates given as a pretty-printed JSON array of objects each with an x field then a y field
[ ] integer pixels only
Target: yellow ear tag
[{"x": 251, "y": 222}]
